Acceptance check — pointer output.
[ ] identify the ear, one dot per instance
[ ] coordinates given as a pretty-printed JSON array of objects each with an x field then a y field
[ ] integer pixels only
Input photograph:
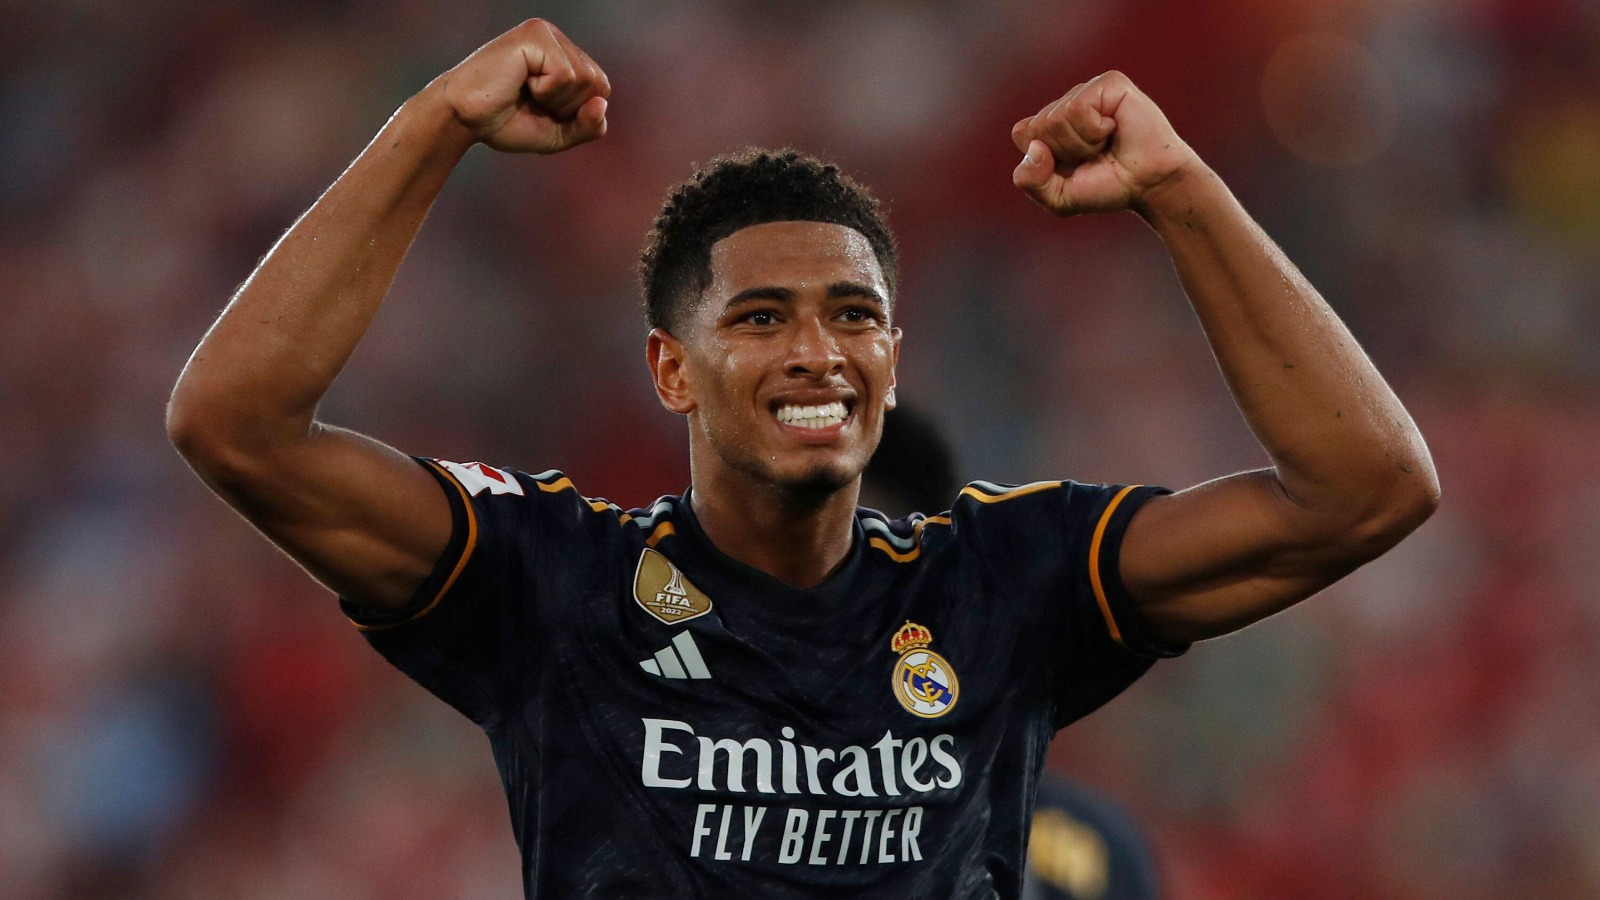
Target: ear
[
  {"x": 895, "y": 334},
  {"x": 667, "y": 370}
]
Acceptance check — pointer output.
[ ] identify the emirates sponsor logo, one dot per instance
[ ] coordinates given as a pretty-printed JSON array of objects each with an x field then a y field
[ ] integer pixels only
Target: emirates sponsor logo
[
  {"x": 889, "y": 831},
  {"x": 675, "y": 757}
]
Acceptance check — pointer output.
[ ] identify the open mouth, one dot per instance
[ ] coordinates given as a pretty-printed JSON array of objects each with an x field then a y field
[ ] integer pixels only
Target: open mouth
[{"x": 813, "y": 418}]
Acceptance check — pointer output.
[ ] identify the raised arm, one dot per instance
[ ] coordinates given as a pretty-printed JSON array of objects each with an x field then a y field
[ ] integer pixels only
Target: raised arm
[
  {"x": 360, "y": 516},
  {"x": 1351, "y": 475}
]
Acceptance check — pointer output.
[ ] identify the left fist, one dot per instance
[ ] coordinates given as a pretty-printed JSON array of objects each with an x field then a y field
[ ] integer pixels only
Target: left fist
[{"x": 1103, "y": 147}]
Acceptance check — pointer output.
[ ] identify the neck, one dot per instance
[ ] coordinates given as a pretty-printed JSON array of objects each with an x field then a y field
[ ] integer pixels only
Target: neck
[{"x": 796, "y": 537}]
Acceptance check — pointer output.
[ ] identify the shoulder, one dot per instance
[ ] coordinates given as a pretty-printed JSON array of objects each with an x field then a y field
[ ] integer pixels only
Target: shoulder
[
  {"x": 976, "y": 508},
  {"x": 653, "y": 523},
  {"x": 1013, "y": 522},
  {"x": 987, "y": 509},
  {"x": 505, "y": 498},
  {"x": 1070, "y": 508},
  {"x": 980, "y": 496}
]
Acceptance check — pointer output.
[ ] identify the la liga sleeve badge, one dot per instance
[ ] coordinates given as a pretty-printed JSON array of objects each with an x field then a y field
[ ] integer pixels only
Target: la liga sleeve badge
[{"x": 924, "y": 682}]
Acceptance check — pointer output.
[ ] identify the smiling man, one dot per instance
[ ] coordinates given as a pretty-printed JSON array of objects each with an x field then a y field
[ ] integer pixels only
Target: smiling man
[
  {"x": 768, "y": 285},
  {"x": 758, "y": 689}
]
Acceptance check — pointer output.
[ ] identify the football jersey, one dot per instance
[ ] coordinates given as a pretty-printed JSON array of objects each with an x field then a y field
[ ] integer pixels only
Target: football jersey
[{"x": 670, "y": 722}]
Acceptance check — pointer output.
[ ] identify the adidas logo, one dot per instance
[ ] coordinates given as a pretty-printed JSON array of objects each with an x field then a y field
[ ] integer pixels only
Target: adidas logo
[{"x": 685, "y": 663}]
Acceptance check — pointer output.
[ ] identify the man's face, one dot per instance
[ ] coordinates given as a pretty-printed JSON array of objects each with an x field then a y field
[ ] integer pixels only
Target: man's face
[{"x": 787, "y": 364}]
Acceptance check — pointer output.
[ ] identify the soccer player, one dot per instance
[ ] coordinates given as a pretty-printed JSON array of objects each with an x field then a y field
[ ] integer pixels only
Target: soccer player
[{"x": 755, "y": 688}]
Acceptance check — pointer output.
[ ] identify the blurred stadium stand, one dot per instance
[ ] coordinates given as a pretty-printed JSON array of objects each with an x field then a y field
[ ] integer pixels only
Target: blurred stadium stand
[{"x": 185, "y": 715}]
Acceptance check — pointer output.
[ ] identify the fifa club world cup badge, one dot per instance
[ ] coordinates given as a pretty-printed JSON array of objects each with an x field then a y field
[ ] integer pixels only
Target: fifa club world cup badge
[
  {"x": 662, "y": 591},
  {"x": 924, "y": 682}
]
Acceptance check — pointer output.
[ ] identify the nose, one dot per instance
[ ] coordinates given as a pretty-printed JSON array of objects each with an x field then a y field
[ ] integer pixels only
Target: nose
[{"x": 815, "y": 350}]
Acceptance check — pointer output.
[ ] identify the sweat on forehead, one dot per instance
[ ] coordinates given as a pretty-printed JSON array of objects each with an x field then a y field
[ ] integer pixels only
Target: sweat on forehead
[{"x": 735, "y": 193}]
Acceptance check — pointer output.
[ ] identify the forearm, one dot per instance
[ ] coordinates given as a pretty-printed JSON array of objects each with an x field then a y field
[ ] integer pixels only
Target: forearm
[
  {"x": 1351, "y": 475},
  {"x": 1338, "y": 437},
  {"x": 262, "y": 368},
  {"x": 356, "y": 513}
]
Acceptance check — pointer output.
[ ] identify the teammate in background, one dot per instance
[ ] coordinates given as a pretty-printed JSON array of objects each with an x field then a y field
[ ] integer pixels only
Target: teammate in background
[
  {"x": 758, "y": 689},
  {"x": 1082, "y": 845}
]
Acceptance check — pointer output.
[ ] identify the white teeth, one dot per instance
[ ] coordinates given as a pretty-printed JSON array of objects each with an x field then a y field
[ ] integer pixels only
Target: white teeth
[{"x": 824, "y": 416}]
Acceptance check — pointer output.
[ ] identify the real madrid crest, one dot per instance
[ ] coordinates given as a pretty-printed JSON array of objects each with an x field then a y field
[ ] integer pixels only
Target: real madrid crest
[{"x": 924, "y": 682}]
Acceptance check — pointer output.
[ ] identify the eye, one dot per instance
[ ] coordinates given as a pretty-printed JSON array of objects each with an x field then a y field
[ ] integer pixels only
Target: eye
[
  {"x": 859, "y": 315},
  {"x": 760, "y": 317}
]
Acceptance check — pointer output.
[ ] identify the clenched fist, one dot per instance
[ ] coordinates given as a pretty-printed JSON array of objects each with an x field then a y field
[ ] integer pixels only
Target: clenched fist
[
  {"x": 530, "y": 90},
  {"x": 1103, "y": 147}
]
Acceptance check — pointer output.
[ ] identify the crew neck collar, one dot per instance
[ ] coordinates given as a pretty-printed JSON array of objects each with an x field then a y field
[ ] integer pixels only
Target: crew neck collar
[{"x": 694, "y": 538}]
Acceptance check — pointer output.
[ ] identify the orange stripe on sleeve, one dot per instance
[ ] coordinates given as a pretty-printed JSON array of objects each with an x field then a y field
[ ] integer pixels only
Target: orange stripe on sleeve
[
  {"x": 466, "y": 554},
  {"x": 1094, "y": 563},
  {"x": 560, "y": 484},
  {"x": 1012, "y": 494},
  {"x": 662, "y": 530},
  {"x": 916, "y": 537},
  {"x": 884, "y": 545}
]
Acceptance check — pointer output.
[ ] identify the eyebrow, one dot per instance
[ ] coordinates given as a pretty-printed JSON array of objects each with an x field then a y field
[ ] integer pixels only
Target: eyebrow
[{"x": 784, "y": 295}]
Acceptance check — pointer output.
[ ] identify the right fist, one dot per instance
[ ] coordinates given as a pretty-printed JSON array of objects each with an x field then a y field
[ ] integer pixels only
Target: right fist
[{"x": 530, "y": 90}]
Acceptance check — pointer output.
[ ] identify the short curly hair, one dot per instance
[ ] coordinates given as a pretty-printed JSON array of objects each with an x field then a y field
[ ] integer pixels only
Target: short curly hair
[{"x": 738, "y": 191}]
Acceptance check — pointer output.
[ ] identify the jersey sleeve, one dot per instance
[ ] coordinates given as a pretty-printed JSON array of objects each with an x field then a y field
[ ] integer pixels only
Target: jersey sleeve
[
  {"x": 473, "y": 632},
  {"x": 1053, "y": 549}
]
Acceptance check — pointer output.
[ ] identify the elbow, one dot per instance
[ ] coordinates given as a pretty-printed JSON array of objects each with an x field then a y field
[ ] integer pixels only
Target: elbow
[
  {"x": 195, "y": 425},
  {"x": 1396, "y": 511},
  {"x": 222, "y": 447},
  {"x": 1415, "y": 495},
  {"x": 1408, "y": 511},
  {"x": 186, "y": 427},
  {"x": 1426, "y": 501},
  {"x": 200, "y": 439}
]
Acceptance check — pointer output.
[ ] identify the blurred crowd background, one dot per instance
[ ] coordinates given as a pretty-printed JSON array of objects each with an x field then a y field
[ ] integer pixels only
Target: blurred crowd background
[{"x": 184, "y": 714}]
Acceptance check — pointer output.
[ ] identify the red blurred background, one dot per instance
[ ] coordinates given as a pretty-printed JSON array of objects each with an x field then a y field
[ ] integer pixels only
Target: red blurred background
[{"x": 184, "y": 714}]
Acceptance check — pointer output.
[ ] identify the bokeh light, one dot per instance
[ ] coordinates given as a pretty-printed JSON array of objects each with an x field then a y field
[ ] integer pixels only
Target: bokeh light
[{"x": 1328, "y": 101}]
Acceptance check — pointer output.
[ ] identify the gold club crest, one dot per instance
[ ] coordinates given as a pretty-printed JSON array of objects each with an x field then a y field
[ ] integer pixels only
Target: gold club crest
[
  {"x": 663, "y": 592},
  {"x": 924, "y": 682}
]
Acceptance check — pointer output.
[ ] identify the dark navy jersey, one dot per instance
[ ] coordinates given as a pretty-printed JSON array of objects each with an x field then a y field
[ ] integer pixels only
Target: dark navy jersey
[{"x": 669, "y": 722}]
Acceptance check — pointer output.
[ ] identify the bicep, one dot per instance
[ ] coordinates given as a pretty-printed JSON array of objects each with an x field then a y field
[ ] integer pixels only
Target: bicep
[
  {"x": 1224, "y": 554},
  {"x": 363, "y": 518}
]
